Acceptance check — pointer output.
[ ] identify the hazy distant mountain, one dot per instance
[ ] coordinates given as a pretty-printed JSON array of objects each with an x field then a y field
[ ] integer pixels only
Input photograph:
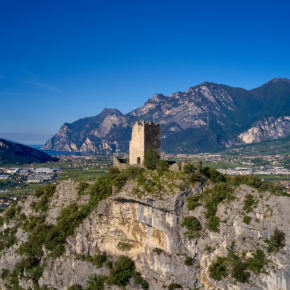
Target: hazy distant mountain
[
  {"x": 207, "y": 117},
  {"x": 14, "y": 153}
]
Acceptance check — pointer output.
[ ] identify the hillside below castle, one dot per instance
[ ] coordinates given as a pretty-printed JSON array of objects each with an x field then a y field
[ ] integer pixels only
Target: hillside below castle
[
  {"x": 206, "y": 118},
  {"x": 149, "y": 229}
]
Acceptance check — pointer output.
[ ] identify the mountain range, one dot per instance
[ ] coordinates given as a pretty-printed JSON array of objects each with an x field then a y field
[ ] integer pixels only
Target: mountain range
[
  {"x": 14, "y": 153},
  {"x": 206, "y": 118}
]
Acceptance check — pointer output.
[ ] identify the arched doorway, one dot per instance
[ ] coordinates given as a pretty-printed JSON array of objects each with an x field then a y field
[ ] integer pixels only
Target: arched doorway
[{"x": 138, "y": 160}]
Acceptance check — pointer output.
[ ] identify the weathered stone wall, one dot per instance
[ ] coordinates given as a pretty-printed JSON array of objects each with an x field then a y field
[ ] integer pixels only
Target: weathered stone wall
[
  {"x": 136, "y": 149},
  {"x": 152, "y": 137}
]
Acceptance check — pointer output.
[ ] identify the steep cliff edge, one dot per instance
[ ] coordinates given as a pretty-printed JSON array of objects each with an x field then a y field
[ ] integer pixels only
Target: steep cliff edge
[{"x": 190, "y": 230}]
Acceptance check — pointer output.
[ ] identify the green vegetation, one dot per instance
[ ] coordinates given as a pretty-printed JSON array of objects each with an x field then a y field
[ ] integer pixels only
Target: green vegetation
[
  {"x": 193, "y": 202},
  {"x": 218, "y": 269},
  {"x": 249, "y": 203},
  {"x": 151, "y": 159},
  {"x": 96, "y": 282},
  {"x": 174, "y": 286},
  {"x": 212, "y": 197},
  {"x": 82, "y": 187},
  {"x": 192, "y": 225},
  {"x": 7, "y": 238},
  {"x": 124, "y": 246},
  {"x": 188, "y": 261},
  {"x": 257, "y": 263},
  {"x": 238, "y": 266},
  {"x": 247, "y": 219},
  {"x": 276, "y": 242},
  {"x": 45, "y": 194},
  {"x": 122, "y": 270},
  {"x": 75, "y": 287},
  {"x": 97, "y": 260},
  {"x": 257, "y": 183},
  {"x": 53, "y": 237}
]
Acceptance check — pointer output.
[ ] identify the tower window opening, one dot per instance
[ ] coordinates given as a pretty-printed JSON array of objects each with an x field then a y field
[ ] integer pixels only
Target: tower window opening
[{"x": 138, "y": 160}]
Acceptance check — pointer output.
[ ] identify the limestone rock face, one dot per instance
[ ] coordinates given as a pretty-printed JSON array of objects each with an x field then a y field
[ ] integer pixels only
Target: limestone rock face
[
  {"x": 151, "y": 226},
  {"x": 268, "y": 129}
]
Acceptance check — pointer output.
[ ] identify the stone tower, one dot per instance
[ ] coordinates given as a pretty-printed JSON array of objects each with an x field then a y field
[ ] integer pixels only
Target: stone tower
[{"x": 144, "y": 135}]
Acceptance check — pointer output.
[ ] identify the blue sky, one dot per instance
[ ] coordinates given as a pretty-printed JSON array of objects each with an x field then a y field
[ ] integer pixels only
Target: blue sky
[{"x": 63, "y": 60}]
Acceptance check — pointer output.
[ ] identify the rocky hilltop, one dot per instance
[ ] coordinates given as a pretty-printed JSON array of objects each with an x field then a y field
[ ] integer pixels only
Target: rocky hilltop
[
  {"x": 207, "y": 117},
  {"x": 144, "y": 229},
  {"x": 13, "y": 153}
]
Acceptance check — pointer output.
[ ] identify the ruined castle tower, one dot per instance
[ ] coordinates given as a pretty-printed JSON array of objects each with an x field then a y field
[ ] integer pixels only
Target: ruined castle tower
[{"x": 144, "y": 135}]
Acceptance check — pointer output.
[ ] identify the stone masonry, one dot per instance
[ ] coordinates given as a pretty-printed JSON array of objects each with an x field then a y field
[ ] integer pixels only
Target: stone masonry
[{"x": 145, "y": 135}]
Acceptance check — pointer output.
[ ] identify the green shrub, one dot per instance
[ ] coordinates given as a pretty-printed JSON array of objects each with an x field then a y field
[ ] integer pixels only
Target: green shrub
[
  {"x": 75, "y": 287},
  {"x": 10, "y": 213},
  {"x": 162, "y": 166},
  {"x": 121, "y": 272},
  {"x": 218, "y": 269},
  {"x": 140, "y": 281},
  {"x": 212, "y": 197},
  {"x": 212, "y": 223},
  {"x": 189, "y": 168},
  {"x": 96, "y": 282},
  {"x": 214, "y": 175},
  {"x": 257, "y": 263},
  {"x": 247, "y": 219},
  {"x": 82, "y": 187},
  {"x": 192, "y": 225},
  {"x": 97, "y": 260},
  {"x": 7, "y": 238},
  {"x": 193, "y": 202},
  {"x": 249, "y": 202},
  {"x": 174, "y": 286},
  {"x": 277, "y": 241},
  {"x": 124, "y": 246},
  {"x": 188, "y": 261},
  {"x": 45, "y": 194},
  {"x": 151, "y": 158},
  {"x": 238, "y": 268}
]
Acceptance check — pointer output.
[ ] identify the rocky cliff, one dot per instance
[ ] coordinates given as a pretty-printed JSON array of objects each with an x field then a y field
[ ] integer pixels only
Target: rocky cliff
[
  {"x": 169, "y": 230},
  {"x": 206, "y": 117},
  {"x": 268, "y": 129}
]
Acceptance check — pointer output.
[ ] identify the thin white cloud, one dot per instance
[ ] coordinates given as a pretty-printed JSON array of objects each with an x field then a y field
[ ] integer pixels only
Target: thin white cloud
[{"x": 43, "y": 86}]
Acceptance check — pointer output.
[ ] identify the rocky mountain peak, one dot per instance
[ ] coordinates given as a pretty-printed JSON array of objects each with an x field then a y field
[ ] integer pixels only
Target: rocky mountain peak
[
  {"x": 206, "y": 117},
  {"x": 279, "y": 80}
]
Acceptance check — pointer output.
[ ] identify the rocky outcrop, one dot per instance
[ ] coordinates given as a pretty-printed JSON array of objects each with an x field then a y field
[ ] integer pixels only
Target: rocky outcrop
[
  {"x": 268, "y": 129},
  {"x": 150, "y": 226},
  {"x": 206, "y": 117}
]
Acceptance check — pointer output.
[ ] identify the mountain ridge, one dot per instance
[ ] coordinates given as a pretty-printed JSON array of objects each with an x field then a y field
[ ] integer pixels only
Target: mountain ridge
[
  {"x": 15, "y": 153},
  {"x": 205, "y": 113}
]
